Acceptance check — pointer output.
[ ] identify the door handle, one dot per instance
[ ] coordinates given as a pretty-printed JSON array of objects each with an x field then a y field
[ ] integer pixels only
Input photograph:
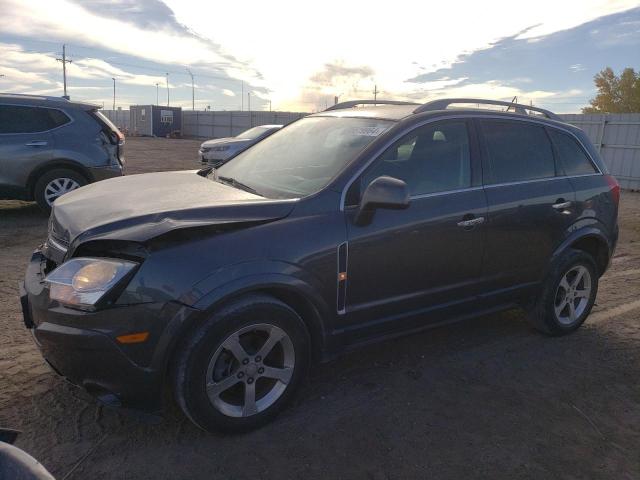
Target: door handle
[
  {"x": 37, "y": 143},
  {"x": 471, "y": 222},
  {"x": 562, "y": 205}
]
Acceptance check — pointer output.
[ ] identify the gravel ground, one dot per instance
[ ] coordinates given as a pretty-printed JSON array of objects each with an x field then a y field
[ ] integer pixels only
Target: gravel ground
[{"x": 484, "y": 398}]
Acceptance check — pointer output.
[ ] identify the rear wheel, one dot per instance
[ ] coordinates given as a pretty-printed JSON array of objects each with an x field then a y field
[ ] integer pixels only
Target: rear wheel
[
  {"x": 55, "y": 183},
  {"x": 567, "y": 295},
  {"x": 240, "y": 368}
]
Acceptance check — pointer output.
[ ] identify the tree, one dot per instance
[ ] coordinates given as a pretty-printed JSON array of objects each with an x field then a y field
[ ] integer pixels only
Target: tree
[{"x": 616, "y": 94}]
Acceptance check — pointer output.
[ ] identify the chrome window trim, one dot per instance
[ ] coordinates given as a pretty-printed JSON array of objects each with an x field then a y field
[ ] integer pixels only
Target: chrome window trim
[
  {"x": 71, "y": 119},
  {"x": 536, "y": 180},
  {"x": 467, "y": 116},
  {"x": 444, "y": 192}
]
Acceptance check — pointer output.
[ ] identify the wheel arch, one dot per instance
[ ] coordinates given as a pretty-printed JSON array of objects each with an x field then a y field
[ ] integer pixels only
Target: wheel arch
[
  {"x": 52, "y": 165},
  {"x": 300, "y": 297},
  {"x": 591, "y": 240}
]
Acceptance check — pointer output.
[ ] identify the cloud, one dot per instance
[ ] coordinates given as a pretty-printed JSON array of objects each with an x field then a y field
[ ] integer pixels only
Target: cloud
[
  {"x": 333, "y": 73},
  {"x": 152, "y": 34},
  {"x": 404, "y": 41},
  {"x": 278, "y": 57}
]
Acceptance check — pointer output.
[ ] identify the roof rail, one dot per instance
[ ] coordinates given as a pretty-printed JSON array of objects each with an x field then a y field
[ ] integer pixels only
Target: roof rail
[
  {"x": 518, "y": 107},
  {"x": 353, "y": 103}
]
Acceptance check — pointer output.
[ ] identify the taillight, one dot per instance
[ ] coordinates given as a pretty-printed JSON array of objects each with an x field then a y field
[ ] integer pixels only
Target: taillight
[{"x": 615, "y": 188}]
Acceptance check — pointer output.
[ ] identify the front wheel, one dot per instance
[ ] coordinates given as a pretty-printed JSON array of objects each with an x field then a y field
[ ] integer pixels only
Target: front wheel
[
  {"x": 567, "y": 295},
  {"x": 239, "y": 369}
]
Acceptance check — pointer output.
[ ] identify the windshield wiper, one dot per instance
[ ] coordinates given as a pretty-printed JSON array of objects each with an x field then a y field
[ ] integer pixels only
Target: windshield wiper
[{"x": 235, "y": 183}]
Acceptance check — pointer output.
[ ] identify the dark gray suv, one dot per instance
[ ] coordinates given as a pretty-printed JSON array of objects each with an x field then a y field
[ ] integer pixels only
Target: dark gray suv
[
  {"x": 50, "y": 146},
  {"x": 344, "y": 227}
]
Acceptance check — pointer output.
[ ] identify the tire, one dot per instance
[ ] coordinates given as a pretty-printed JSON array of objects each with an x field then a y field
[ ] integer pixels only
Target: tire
[
  {"x": 573, "y": 280},
  {"x": 62, "y": 178},
  {"x": 211, "y": 383}
]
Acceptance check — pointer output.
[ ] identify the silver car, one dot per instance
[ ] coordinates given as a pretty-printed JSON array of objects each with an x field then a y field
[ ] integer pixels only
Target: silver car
[
  {"x": 50, "y": 146},
  {"x": 216, "y": 152}
]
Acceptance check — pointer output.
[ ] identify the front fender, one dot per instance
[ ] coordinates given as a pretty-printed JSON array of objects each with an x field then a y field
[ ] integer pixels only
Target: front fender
[{"x": 247, "y": 276}]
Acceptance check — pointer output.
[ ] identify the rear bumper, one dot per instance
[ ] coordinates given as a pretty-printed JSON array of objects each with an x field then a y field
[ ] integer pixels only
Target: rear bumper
[
  {"x": 103, "y": 173},
  {"x": 82, "y": 346}
]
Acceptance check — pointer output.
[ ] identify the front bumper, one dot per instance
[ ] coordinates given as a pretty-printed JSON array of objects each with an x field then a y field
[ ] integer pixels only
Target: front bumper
[{"x": 82, "y": 346}]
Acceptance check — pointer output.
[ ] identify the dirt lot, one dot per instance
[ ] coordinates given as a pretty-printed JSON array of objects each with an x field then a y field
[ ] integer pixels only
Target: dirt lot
[{"x": 486, "y": 398}]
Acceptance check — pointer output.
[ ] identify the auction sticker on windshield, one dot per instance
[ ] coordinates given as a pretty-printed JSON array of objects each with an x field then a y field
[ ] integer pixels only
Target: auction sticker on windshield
[{"x": 368, "y": 131}]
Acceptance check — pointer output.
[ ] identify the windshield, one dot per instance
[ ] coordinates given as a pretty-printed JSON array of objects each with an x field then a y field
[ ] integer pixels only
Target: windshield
[
  {"x": 302, "y": 158},
  {"x": 252, "y": 133}
]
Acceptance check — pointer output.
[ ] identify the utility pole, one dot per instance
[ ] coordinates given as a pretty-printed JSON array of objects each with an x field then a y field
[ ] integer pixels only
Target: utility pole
[
  {"x": 249, "y": 109},
  {"x": 375, "y": 92},
  {"x": 269, "y": 105},
  {"x": 193, "y": 92},
  {"x": 157, "y": 93},
  {"x": 242, "y": 96},
  {"x": 167, "y": 75},
  {"x": 64, "y": 68},
  {"x": 114, "y": 93}
]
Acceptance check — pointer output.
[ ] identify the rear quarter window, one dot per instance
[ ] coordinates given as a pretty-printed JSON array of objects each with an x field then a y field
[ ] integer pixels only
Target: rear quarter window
[
  {"x": 572, "y": 159},
  {"x": 516, "y": 151}
]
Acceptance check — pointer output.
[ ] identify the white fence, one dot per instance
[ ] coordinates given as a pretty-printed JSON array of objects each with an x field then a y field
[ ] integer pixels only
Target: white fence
[
  {"x": 120, "y": 118},
  {"x": 216, "y": 124},
  {"x": 617, "y": 138}
]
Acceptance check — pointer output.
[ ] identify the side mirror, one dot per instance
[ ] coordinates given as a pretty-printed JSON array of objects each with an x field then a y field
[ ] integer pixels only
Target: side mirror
[{"x": 384, "y": 192}]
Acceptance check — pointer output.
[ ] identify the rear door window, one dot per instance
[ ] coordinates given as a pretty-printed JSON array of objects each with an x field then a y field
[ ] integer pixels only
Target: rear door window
[
  {"x": 572, "y": 158},
  {"x": 21, "y": 119},
  {"x": 515, "y": 152}
]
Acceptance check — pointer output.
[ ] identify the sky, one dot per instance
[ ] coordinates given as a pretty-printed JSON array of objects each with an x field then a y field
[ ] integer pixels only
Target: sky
[{"x": 297, "y": 55}]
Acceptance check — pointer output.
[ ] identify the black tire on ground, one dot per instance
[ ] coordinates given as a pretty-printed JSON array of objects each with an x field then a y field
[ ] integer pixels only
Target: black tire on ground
[
  {"x": 190, "y": 367},
  {"x": 49, "y": 176},
  {"x": 543, "y": 314}
]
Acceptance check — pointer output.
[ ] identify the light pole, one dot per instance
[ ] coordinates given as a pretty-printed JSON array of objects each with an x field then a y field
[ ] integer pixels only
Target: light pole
[
  {"x": 193, "y": 92},
  {"x": 114, "y": 93},
  {"x": 167, "y": 75},
  {"x": 157, "y": 93}
]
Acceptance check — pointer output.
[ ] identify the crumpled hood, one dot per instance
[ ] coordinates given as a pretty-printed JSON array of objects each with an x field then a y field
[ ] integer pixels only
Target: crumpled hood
[
  {"x": 231, "y": 141},
  {"x": 140, "y": 207}
]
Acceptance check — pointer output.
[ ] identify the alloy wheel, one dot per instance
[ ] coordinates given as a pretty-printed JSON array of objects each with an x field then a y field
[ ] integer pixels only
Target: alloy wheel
[
  {"x": 58, "y": 187},
  {"x": 250, "y": 370},
  {"x": 573, "y": 294}
]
